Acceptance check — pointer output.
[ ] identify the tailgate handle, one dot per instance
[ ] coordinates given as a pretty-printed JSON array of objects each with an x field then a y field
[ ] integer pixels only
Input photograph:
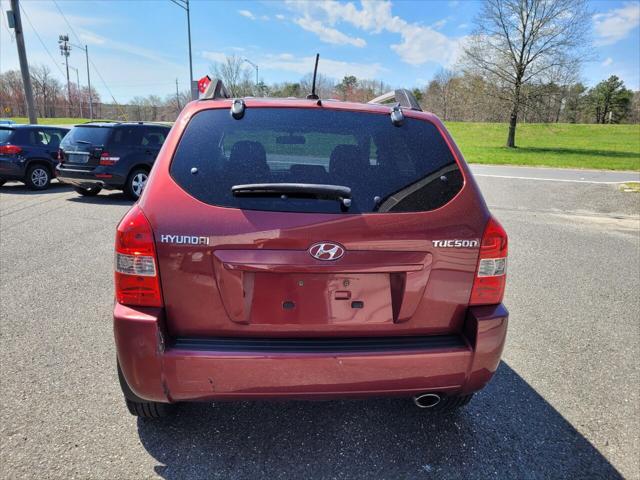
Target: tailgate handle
[{"x": 342, "y": 295}]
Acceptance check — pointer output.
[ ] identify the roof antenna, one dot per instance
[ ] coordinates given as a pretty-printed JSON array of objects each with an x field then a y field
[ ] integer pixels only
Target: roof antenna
[{"x": 313, "y": 95}]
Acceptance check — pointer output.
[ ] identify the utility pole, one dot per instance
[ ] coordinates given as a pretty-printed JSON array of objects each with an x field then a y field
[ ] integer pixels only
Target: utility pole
[
  {"x": 65, "y": 51},
  {"x": 16, "y": 22},
  {"x": 178, "y": 97},
  {"x": 79, "y": 89}
]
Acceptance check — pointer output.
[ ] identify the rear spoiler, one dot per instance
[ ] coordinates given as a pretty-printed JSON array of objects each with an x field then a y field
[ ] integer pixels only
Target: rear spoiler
[
  {"x": 215, "y": 91},
  {"x": 405, "y": 98}
]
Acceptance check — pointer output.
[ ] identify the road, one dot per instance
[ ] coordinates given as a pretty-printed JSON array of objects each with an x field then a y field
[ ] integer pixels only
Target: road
[{"x": 563, "y": 404}]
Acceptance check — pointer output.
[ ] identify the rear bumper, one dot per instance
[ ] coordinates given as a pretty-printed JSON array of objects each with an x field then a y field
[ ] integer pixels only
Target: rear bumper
[
  {"x": 190, "y": 369},
  {"x": 97, "y": 177}
]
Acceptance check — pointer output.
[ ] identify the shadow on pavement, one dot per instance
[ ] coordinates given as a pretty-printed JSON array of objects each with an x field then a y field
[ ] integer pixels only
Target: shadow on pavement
[
  {"x": 507, "y": 431},
  {"x": 17, "y": 188},
  {"x": 108, "y": 198}
]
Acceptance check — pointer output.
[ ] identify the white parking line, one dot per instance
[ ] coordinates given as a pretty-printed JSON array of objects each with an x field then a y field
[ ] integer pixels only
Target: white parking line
[{"x": 550, "y": 179}]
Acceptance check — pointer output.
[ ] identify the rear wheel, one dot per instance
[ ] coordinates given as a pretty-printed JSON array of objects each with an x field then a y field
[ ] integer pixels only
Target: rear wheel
[
  {"x": 139, "y": 407},
  {"x": 135, "y": 183},
  {"x": 38, "y": 177},
  {"x": 88, "y": 192}
]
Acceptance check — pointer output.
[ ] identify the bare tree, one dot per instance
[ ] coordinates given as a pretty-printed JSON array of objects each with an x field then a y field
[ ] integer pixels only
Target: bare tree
[
  {"x": 324, "y": 85},
  {"x": 235, "y": 75},
  {"x": 522, "y": 42}
]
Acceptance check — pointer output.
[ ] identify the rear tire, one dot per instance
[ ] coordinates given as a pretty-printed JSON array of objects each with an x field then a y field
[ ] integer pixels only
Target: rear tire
[
  {"x": 38, "y": 177},
  {"x": 135, "y": 183},
  {"x": 139, "y": 407},
  {"x": 88, "y": 192}
]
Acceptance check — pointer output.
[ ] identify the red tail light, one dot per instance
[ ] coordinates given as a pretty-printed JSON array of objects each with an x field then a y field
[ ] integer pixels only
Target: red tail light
[
  {"x": 491, "y": 274},
  {"x": 60, "y": 156},
  {"x": 136, "y": 273},
  {"x": 10, "y": 149},
  {"x": 107, "y": 159}
]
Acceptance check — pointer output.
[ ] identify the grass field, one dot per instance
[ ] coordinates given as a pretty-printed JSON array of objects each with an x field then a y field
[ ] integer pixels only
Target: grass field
[
  {"x": 614, "y": 147},
  {"x": 53, "y": 121}
]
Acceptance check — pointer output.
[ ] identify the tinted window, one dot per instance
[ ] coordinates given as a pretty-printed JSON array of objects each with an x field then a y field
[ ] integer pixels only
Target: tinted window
[
  {"x": 5, "y": 135},
  {"x": 387, "y": 168},
  {"x": 92, "y": 135},
  {"x": 154, "y": 137}
]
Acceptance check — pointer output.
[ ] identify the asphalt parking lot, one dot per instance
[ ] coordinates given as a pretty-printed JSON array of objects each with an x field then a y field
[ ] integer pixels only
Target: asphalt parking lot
[{"x": 564, "y": 403}]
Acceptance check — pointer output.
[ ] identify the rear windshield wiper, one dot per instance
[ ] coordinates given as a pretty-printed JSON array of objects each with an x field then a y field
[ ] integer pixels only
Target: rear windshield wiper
[
  {"x": 82, "y": 141},
  {"x": 300, "y": 190}
]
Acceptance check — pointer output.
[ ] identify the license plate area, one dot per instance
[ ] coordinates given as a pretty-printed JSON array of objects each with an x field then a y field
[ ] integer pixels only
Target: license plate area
[
  {"x": 317, "y": 299},
  {"x": 77, "y": 157}
]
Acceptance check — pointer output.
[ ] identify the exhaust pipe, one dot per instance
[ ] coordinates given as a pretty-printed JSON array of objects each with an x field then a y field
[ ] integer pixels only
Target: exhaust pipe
[{"x": 427, "y": 400}]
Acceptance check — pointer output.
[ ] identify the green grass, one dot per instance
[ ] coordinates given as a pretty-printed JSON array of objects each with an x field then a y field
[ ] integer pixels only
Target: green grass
[
  {"x": 612, "y": 147},
  {"x": 53, "y": 121}
]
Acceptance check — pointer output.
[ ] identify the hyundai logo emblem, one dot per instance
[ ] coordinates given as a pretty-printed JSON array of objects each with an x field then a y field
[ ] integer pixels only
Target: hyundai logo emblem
[{"x": 326, "y": 251}]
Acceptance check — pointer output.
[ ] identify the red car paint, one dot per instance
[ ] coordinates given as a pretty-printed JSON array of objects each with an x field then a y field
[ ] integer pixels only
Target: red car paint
[{"x": 234, "y": 284}]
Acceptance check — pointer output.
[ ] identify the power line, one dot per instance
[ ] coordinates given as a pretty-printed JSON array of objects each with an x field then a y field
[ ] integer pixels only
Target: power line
[
  {"x": 40, "y": 39},
  {"x": 104, "y": 83},
  {"x": 67, "y": 22}
]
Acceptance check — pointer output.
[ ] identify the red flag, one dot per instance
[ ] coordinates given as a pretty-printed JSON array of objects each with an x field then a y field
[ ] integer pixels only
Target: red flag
[{"x": 203, "y": 83}]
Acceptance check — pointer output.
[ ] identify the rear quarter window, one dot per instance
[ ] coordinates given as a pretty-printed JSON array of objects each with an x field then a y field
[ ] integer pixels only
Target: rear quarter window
[
  {"x": 6, "y": 134},
  {"x": 388, "y": 169}
]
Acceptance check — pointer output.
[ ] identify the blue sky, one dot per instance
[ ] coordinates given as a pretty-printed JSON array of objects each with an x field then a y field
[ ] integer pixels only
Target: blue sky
[{"x": 140, "y": 47}]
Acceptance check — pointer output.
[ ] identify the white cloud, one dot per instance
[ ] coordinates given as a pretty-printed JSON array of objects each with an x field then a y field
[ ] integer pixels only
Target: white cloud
[
  {"x": 331, "y": 68},
  {"x": 329, "y": 34},
  {"x": 616, "y": 24},
  {"x": 279, "y": 16},
  {"x": 247, "y": 13},
  {"x": 214, "y": 56},
  {"x": 439, "y": 24},
  {"x": 463, "y": 25},
  {"x": 418, "y": 44},
  {"x": 608, "y": 61}
]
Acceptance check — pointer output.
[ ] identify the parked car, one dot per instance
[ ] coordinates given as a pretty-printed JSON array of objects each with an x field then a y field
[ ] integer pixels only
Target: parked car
[
  {"x": 28, "y": 153},
  {"x": 308, "y": 249},
  {"x": 6, "y": 121},
  {"x": 110, "y": 155}
]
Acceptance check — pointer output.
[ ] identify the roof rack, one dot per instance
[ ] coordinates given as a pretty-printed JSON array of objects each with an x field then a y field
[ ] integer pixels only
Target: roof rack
[
  {"x": 402, "y": 96},
  {"x": 215, "y": 91}
]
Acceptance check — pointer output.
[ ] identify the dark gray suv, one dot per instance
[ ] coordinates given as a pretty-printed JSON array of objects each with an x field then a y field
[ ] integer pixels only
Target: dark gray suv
[
  {"x": 110, "y": 155},
  {"x": 28, "y": 153}
]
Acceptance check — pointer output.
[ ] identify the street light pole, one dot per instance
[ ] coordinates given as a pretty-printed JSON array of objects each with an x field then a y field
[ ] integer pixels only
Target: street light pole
[
  {"x": 79, "y": 90},
  {"x": 256, "y": 67},
  {"x": 184, "y": 4},
  {"x": 86, "y": 56}
]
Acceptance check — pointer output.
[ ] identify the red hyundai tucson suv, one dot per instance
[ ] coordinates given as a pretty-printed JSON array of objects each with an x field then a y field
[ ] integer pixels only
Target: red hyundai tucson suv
[{"x": 308, "y": 249}]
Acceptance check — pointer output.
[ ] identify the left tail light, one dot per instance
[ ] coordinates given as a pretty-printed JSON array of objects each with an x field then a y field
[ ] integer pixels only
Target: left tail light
[
  {"x": 491, "y": 274},
  {"x": 60, "y": 155},
  {"x": 136, "y": 273},
  {"x": 10, "y": 149}
]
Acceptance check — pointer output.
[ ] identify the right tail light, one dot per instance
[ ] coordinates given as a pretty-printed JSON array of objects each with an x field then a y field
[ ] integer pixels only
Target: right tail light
[{"x": 491, "y": 274}]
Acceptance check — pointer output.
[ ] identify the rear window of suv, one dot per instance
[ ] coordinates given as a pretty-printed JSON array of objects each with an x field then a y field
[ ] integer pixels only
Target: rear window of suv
[
  {"x": 96, "y": 136},
  {"x": 388, "y": 168}
]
